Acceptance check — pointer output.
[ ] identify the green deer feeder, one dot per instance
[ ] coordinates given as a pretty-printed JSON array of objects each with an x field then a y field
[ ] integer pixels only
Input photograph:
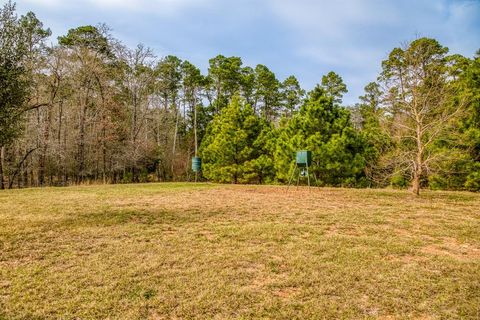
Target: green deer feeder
[
  {"x": 303, "y": 160},
  {"x": 196, "y": 164}
]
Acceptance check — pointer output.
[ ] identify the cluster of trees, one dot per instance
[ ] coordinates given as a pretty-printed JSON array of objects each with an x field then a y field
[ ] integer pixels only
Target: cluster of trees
[{"x": 91, "y": 109}]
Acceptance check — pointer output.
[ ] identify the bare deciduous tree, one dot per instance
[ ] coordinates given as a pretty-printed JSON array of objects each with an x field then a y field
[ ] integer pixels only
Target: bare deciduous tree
[{"x": 418, "y": 96}]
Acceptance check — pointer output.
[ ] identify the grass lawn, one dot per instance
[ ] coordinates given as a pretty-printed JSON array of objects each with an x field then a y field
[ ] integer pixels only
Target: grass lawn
[{"x": 186, "y": 251}]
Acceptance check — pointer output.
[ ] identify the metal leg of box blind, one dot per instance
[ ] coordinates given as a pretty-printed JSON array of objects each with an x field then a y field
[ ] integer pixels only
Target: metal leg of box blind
[
  {"x": 308, "y": 176},
  {"x": 298, "y": 177},
  {"x": 291, "y": 176}
]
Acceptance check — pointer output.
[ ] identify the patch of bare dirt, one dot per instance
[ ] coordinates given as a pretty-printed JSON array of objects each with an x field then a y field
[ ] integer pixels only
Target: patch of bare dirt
[
  {"x": 452, "y": 248},
  {"x": 287, "y": 292}
]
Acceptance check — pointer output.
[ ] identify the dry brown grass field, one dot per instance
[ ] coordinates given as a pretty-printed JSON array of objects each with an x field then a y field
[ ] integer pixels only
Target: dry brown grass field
[{"x": 204, "y": 251}]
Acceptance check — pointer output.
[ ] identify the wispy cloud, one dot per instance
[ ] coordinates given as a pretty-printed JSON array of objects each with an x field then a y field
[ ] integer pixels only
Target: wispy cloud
[
  {"x": 352, "y": 37},
  {"x": 159, "y": 7},
  {"x": 303, "y": 37}
]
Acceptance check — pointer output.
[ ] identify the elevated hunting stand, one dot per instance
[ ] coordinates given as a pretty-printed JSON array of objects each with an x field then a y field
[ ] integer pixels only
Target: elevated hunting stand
[{"x": 303, "y": 161}]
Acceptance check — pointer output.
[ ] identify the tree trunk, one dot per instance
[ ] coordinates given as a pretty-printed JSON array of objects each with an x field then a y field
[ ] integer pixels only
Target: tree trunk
[
  {"x": 104, "y": 158},
  {"x": 81, "y": 142},
  {"x": 195, "y": 129},
  {"x": 64, "y": 154},
  {"x": 416, "y": 182},
  {"x": 165, "y": 137},
  {"x": 2, "y": 156},
  {"x": 19, "y": 166},
  {"x": 417, "y": 173},
  {"x": 104, "y": 143},
  {"x": 25, "y": 174},
  {"x": 43, "y": 154},
  {"x": 418, "y": 170},
  {"x": 174, "y": 143},
  {"x": 81, "y": 147}
]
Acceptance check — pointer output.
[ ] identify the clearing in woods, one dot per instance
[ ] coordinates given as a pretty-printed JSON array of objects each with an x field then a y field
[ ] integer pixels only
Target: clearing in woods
[{"x": 179, "y": 250}]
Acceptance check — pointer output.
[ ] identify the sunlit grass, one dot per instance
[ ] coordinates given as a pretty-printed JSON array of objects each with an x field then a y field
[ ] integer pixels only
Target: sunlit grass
[{"x": 208, "y": 251}]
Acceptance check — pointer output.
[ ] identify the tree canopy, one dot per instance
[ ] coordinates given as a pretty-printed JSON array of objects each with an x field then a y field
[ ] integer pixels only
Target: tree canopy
[{"x": 89, "y": 108}]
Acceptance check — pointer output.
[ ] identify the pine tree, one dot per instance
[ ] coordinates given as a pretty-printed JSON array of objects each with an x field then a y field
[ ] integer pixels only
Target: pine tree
[
  {"x": 472, "y": 122},
  {"x": 230, "y": 145},
  {"x": 371, "y": 126},
  {"x": 324, "y": 128},
  {"x": 461, "y": 138},
  {"x": 334, "y": 86},
  {"x": 292, "y": 95}
]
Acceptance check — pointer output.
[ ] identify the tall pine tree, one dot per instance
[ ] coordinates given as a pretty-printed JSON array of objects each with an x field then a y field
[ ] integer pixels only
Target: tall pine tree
[
  {"x": 230, "y": 148},
  {"x": 324, "y": 128}
]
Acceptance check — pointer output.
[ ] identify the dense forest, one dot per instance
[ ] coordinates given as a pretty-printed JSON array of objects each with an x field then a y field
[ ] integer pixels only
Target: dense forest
[{"x": 90, "y": 109}]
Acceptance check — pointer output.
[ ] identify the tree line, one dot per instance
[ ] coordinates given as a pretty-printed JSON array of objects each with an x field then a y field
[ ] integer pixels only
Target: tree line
[{"x": 90, "y": 109}]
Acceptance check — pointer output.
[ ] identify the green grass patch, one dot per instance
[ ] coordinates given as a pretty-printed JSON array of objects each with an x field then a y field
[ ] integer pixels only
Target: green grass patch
[{"x": 196, "y": 251}]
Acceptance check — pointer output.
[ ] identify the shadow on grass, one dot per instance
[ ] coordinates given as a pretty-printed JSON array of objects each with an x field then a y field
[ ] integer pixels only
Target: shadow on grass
[{"x": 115, "y": 216}]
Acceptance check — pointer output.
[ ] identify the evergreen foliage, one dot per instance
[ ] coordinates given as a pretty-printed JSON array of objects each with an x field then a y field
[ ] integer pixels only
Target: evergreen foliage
[
  {"x": 232, "y": 146},
  {"x": 324, "y": 128},
  {"x": 93, "y": 109}
]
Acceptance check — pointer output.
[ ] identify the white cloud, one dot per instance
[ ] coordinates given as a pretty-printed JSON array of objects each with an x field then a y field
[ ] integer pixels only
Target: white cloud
[
  {"x": 307, "y": 37},
  {"x": 459, "y": 27},
  {"x": 353, "y": 37},
  {"x": 330, "y": 19},
  {"x": 45, "y": 3},
  {"x": 159, "y": 7}
]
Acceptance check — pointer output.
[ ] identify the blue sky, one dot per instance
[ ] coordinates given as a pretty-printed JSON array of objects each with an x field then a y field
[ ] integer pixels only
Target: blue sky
[{"x": 305, "y": 38}]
